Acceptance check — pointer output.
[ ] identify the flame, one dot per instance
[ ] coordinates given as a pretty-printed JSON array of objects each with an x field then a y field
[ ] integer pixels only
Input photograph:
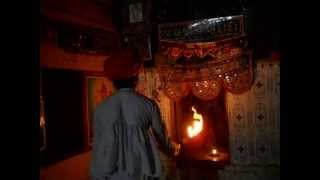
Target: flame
[
  {"x": 197, "y": 125},
  {"x": 42, "y": 121},
  {"x": 214, "y": 151}
]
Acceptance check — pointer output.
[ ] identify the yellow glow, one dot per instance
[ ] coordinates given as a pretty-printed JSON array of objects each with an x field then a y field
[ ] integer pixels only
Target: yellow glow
[
  {"x": 197, "y": 125},
  {"x": 42, "y": 122},
  {"x": 214, "y": 151}
]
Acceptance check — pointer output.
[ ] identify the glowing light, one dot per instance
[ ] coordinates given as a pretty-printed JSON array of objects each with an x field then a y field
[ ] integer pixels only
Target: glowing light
[
  {"x": 42, "y": 117},
  {"x": 42, "y": 121},
  {"x": 197, "y": 125},
  {"x": 214, "y": 151}
]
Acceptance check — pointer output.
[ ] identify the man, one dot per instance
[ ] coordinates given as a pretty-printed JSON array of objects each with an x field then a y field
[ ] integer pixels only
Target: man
[{"x": 128, "y": 127}]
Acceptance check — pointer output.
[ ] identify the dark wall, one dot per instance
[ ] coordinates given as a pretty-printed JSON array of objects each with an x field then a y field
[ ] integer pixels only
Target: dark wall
[
  {"x": 182, "y": 10},
  {"x": 62, "y": 92},
  {"x": 264, "y": 27}
]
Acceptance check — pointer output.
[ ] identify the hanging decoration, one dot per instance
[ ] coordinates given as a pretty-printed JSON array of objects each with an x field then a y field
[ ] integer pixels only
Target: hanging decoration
[
  {"x": 175, "y": 91},
  {"x": 209, "y": 55},
  {"x": 217, "y": 50},
  {"x": 204, "y": 30},
  {"x": 206, "y": 90},
  {"x": 137, "y": 27}
]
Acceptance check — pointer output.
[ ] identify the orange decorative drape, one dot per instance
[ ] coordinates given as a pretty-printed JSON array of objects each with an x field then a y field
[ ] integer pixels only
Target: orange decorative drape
[
  {"x": 205, "y": 68},
  {"x": 204, "y": 57}
]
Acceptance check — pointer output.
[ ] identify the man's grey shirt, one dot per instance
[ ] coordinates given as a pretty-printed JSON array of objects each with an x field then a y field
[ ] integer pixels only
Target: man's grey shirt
[{"x": 128, "y": 132}]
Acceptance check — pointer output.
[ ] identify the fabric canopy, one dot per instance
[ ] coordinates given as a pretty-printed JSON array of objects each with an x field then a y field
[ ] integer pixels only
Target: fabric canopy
[
  {"x": 204, "y": 57},
  {"x": 205, "y": 68}
]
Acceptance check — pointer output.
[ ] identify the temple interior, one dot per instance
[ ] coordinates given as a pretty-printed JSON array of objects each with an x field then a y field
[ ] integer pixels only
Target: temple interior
[{"x": 213, "y": 68}]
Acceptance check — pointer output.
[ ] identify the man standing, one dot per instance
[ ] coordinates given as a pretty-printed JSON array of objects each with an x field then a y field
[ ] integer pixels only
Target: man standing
[{"x": 128, "y": 127}]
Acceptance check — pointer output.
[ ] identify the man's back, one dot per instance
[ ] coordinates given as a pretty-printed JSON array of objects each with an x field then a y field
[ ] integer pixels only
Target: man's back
[
  {"x": 136, "y": 109},
  {"x": 122, "y": 141}
]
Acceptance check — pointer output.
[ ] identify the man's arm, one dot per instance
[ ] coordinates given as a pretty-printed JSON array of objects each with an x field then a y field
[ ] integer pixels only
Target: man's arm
[{"x": 159, "y": 131}]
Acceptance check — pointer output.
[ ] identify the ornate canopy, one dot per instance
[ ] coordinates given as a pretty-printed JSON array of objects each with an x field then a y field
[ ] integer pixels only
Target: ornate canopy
[{"x": 204, "y": 67}]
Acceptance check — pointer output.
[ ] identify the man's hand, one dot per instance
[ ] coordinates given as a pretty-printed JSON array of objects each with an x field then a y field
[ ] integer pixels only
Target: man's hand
[{"x": 176, "y": 148}]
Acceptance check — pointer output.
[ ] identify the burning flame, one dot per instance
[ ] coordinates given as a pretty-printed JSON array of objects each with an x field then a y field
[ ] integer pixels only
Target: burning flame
[
  {"x": 42, "y": 122},
  {"x": 197, "y": 125},
  {"x": 214, "y": 151}
]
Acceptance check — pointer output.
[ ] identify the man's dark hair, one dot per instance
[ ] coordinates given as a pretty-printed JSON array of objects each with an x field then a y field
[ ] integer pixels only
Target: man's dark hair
[{"x": 126, "y": 83}]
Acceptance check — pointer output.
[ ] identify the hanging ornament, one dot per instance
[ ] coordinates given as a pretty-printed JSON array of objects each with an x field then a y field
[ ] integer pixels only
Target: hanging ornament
[
  {"x": 239, "y": 83},
  {"x": 235, "y": 52},
  {"x": 207, "y": 89},
  {"x": 205, "y": 72},
  {"x": 175, "y": 91},
  {"x": 200, "y": 52},
  {"x": 188, "y": 53},
  {"x": 174, "y": 53},
  {"x": 212, "y": 52}
]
